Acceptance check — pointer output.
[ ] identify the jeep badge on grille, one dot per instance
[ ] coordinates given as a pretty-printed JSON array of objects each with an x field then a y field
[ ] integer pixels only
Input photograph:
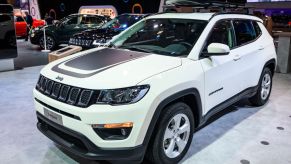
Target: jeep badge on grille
[{"x": 60, "y": 78}]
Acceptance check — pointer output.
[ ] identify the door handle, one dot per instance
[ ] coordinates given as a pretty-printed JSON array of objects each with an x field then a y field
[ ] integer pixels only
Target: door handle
[
  {"x": 261, "y": 48},
  {"x": 236, "y": 57}
]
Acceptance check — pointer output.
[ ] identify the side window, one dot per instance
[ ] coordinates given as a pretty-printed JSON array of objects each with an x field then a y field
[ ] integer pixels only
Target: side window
[
  {"x": 72, "y": 20},
  {"x": 222, "y": 32},
  {"x": 257, "y": 28},
  {"x": 89, "y": 20},
  {"x": 97, "y": 20},
  {"x": 244, "y": 31}
]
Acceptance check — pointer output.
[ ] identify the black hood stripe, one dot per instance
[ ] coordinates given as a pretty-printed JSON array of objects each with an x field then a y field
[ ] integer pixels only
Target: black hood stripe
[{"x": 100, "y": 61}]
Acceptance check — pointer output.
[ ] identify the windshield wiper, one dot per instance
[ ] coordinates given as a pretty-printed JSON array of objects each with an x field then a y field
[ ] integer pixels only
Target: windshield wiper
[{"x": 134, "y": 48}]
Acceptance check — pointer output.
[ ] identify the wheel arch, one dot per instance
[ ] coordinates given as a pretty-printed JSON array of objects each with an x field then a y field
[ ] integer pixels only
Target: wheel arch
[
  {"x": 189, "y": 96},
  {"x": 270, "y": 64}
]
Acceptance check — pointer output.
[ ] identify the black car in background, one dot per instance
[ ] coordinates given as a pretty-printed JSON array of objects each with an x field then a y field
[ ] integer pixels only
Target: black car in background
[
  {"x": 61, "y": 31},
  {"x": 100, "y": 36}
]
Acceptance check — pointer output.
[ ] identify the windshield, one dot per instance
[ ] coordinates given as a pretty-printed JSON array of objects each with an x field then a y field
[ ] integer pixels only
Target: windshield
[
  {"x": 171, "y": 37},
  {"x": 122, "y": 21}
]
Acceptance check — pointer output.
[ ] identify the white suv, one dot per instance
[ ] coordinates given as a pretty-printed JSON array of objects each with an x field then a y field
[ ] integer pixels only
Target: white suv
[{"x": 159, "y": 81}]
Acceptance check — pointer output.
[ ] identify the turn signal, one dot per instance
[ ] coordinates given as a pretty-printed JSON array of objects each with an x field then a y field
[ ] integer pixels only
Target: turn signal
[{"x": 114, "y": 125}]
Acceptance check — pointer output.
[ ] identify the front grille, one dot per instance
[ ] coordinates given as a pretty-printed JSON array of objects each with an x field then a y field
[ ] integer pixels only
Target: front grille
[
  {"x": 81, "y": 42},
  {"x": 67, "y": 94}
]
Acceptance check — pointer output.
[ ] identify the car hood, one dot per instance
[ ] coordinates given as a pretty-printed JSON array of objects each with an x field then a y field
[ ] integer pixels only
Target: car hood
[
  {"x": 40, "y": 28},
  {"x": 97, "y": 34},
  {"x": 107, "y": 68}
]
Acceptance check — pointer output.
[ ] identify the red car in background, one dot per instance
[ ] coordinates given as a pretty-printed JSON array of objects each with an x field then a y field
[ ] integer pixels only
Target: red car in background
[{"x": 21, "y": 27}]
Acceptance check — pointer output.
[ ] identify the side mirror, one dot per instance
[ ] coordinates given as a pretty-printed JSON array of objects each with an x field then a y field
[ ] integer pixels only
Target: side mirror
[{"x": 217, "y": 49}]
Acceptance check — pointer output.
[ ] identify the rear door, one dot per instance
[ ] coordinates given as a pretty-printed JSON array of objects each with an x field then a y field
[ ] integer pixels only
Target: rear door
[{"x": 249, "y": 51}]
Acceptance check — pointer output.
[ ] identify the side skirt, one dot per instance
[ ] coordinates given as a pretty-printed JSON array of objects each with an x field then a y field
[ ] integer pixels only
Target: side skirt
[{"x": 218, "y": 109}]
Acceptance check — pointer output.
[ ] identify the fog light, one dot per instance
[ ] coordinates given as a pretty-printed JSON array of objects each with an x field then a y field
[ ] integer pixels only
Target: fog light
[{"x": 116, "y": 131}]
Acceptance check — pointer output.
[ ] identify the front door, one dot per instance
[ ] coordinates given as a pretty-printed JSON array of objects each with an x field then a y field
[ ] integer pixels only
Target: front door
[{"x": 221, "y": 72}]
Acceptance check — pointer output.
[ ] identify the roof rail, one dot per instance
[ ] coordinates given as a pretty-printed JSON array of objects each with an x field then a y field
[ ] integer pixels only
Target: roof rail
[
  {"x": 222, "y": 13},
  {"x": 207, "y": 4}
]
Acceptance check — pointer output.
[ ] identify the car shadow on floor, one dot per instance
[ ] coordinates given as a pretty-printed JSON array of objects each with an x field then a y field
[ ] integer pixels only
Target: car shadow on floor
[
  {"x": 219, "y": 125},
  {"x": 224, "y": 124}
]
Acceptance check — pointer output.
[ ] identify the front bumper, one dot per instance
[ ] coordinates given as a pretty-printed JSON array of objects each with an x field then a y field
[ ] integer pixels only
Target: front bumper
[
  {"x": 80, "y": 145},
  {"x": 80, "y": 120}
]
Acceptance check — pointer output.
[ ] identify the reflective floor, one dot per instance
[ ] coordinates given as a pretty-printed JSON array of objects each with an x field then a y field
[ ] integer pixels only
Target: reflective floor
[
  {"x": 246, "y": 135},
  {"x": 29, "y": 55}
]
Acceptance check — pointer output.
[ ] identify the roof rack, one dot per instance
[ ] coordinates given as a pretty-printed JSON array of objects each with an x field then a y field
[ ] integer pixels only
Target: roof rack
[
  {"x": 222, "y": 13},
  {"x": 205, "y": 4}
]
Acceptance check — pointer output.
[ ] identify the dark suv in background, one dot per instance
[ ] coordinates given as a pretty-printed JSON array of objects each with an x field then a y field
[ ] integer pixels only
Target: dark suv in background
[
  {"x": 61, "y": 31},
  {"x": 100, "y": 36}
]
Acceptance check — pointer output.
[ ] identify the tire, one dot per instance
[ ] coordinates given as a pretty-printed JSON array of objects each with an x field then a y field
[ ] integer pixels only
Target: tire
[
  {"x": 264, "y": 89},
  {"x": 51, "y": 42},
  {"x": 159, "y": 151}
]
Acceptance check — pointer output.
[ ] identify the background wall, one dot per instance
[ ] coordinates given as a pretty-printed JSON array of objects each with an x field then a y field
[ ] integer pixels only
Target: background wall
[{"x": 65, "y": 7}]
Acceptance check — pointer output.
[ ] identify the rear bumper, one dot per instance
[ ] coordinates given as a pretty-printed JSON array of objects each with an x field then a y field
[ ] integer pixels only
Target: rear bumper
[{"x": 80, "y": 145}]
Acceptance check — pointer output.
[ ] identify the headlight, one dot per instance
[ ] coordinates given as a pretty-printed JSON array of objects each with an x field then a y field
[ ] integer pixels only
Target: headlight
[
  {"x": 96, "y": 42},
  {"x": 123, "y": 96},
  {"x": 32, "y": 34},
  {"x": 99, "y": 42}
]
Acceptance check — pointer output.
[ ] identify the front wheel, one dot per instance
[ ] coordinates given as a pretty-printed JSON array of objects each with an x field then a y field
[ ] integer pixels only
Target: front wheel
[
  {"x": 50, "y": 42},
  {"x": 264, "y": 88},
  {"x": 173, "y": 135}
]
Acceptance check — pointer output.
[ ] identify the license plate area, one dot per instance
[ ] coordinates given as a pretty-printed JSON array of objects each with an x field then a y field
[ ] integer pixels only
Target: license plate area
[{"x": 53, "y": 116}]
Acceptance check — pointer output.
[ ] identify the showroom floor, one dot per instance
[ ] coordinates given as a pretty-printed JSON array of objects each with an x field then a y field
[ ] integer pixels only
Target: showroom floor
[
  {"x": 245, "y": 136},
  {"x": 29, "y": 55}
]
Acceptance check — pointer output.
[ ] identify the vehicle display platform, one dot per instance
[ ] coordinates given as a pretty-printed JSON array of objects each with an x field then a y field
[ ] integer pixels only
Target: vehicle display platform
[{"x": 246, "y": 135}]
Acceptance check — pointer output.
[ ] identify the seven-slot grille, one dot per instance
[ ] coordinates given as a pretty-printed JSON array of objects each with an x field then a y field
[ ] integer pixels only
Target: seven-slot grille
[
  {"x": 68, "y": 94},
  {"x": 81, "y": 42}
]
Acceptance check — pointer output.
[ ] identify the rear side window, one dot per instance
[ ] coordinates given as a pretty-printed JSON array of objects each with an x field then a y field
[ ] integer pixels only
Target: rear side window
[
  {"x": 244, "y": 31},
  {"x": 257, "y": 28}
]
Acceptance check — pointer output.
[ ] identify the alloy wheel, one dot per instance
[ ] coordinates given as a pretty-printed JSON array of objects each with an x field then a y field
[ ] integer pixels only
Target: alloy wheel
[
  {"x": 176, "y": 135},
  {"x": 266, "y": 86},
  {"x": 50, "y": 42}
]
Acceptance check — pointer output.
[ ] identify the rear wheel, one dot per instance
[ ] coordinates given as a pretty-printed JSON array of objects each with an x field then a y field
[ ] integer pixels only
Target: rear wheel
[
  {"x": 173, "y": 136},
  {"x": 50, "y": 42},
  {"x": 264, "y": 89}
]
